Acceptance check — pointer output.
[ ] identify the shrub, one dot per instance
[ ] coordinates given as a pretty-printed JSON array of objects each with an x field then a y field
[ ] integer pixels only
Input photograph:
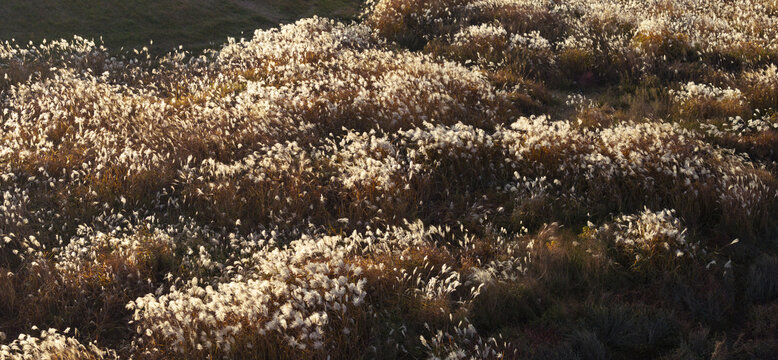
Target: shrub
[
  {"x": 761, "y": 88},
  {"x": 506, "y": 304},
  {"x": 762, "y": 283},
  {"x": 701, "y": 101},
  {"x": 53, "y": 345},
  {"x": 763, "y": 322},
  {"x": 587, "y": 346},
  {"x": 650, "y": 241},
  {"x": 634, "y": 330},
  {"x": 411, "y": 22}
]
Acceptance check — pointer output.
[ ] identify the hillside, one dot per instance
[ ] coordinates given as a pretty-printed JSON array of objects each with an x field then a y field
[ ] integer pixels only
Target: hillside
[
  {"x": 442, "y": 179},
  {"x": 195, "y": 24}
]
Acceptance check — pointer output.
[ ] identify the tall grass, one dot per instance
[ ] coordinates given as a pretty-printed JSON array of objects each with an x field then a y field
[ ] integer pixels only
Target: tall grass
[{"x": 444, "y": 179}]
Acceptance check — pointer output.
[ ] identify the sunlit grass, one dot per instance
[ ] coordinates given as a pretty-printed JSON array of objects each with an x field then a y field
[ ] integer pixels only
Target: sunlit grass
[{"x": 443, "y": 179}]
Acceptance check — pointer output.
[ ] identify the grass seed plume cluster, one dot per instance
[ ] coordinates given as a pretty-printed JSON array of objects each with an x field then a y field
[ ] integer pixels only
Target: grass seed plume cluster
[{"x": 443, "y": 179}]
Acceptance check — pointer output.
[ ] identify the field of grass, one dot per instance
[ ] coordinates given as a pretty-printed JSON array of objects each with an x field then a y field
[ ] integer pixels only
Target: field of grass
[
  {"x": 441, "y": 179},
  {"x": 194, "y": 24}
]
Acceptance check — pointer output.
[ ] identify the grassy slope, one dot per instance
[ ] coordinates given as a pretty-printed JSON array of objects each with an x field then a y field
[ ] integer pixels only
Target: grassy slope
[{"x": 195, "y": 24}]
